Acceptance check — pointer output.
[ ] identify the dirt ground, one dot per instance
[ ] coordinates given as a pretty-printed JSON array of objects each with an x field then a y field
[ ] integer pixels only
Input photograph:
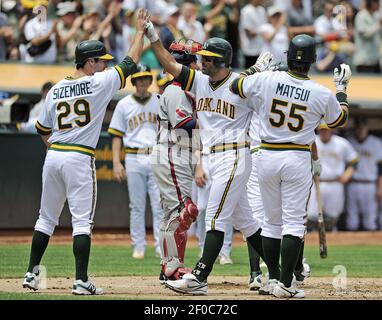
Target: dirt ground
[{"x": 219, "y": 287}]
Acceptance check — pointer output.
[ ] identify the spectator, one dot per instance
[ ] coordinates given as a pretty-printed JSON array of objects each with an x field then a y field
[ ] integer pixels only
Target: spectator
[
  {"x": 114, "y": 28},
  {"x": 68, "y": 30},
  {"x": 367, "y": 38},
  {"x": 252, "y": 16},
  {"x": 220, "y": 19},
  {"x": 96, "y": 28},
  {"x": 365, "y": 188},
  {"x": 338, "y": 159},
  {"x": 41, "y": 38},
  {"x": 5, "y": 35},
  {"x": 287, "y": 5},
  {"x": 325, "y": 24},
  {"x": 169, "y": 32},
  {"x": 123, "y": 39},
  {"x": 298, "y": 21},
  {"x": 275, "y": 34},
  {"x": 191, "y": 28},
  {"x": 35, "y": 112}
]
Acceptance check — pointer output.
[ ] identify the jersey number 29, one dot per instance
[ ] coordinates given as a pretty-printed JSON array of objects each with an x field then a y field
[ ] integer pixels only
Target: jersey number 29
[
  {"x": 80, "y": 108},
  {"x": 277, "y": 108}
]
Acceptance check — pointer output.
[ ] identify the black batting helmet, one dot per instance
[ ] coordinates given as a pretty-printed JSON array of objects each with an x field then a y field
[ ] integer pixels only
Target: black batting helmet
[
  {"x": 91, "y": 49},
  {"x": 184, "y": 51},
  {"x": 219, "y": 49},
  {"x": 141, "y": 71},
  {"x": 302, "y": 48}
]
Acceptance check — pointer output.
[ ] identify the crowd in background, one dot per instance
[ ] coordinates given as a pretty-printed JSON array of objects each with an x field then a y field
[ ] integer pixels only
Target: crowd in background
[{"x": 346, "y": 31}]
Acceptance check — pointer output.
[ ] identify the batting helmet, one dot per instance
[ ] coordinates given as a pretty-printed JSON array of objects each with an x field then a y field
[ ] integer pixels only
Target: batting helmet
[
  {"x": 91, "y": 49},
  {"x": 141, "y": 71},
  {"x": 219, "y": 49},
  {"x": 302, "y": 48}
]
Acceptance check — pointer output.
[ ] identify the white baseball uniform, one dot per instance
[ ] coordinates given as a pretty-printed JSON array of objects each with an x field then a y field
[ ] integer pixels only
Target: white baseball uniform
[
  {"x": 253, "y": 187},
  {"x": 73, "y": 113},
  {"x": 335, "y": 156},
  {"x": 135, "y": 121},
  {"x": 224, "y": 120},
  {"x": 290, "y": 108},
  {"x": 361, "y": 199},
  {"x": 202, "y": 201}
]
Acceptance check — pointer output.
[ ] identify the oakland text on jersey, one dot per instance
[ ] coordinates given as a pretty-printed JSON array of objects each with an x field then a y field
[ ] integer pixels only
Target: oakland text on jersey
[
  {"x": 293, "y": 92},
  {"x": 223, "y": 107},
  {"x": 136, "y": 120},
  {"x": 69, "y": 91}
]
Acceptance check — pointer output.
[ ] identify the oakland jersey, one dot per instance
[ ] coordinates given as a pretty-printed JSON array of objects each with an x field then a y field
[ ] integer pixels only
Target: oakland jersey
[
  {"x": 74, "y": 108},
  {"x": 290, "y": 107},
  {"x": 370, "y": 153},
  {"x": 222, "y": 116},
  {"x": 335, "y": 156},
  {"x": 135, "y": 121}
]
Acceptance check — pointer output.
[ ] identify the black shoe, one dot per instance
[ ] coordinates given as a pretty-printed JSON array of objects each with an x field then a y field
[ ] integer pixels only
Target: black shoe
[
  {"x": 255, "y": 280},
  {"x": 162, "y": 278}
]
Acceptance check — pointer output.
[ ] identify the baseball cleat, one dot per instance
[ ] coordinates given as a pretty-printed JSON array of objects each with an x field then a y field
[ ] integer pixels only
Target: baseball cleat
[
  {"x": 31, "y": 281},
  {"x": 162, "y": 278},
  {"x": 158, "y": 253},
  {"x": 86, "y": 288},
  {"x": 139, "y": 254},
  {"x": 225, "y": 259},
  {"x": 189, "y": 284},
  {"x": 268, "y": 288},
  {"x": 301, "y": 274},
  {"x": 281, "y": 291},
  {"x": 255, "y": 280}
]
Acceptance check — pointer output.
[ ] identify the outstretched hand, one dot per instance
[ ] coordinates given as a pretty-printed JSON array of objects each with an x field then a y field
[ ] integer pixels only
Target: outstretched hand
[
  {"x": 342, "y": 76},
  {"x": 142, "y": 17}
]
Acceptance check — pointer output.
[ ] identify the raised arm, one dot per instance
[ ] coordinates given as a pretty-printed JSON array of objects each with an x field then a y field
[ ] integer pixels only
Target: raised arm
[
  {"x": 164, "y": 57},
  {"x": 136, "y": 48}
]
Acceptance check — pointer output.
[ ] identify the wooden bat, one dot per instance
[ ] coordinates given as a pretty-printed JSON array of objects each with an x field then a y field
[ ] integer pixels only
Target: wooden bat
[{"x": 321, "y": 224}]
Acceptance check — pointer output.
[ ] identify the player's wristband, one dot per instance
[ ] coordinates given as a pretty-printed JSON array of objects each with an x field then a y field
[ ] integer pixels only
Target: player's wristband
[{"x": 151, "y": 33}]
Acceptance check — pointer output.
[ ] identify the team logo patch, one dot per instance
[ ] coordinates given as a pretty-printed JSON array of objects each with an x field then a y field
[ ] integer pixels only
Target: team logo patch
[{"x": 180, "y": 113}]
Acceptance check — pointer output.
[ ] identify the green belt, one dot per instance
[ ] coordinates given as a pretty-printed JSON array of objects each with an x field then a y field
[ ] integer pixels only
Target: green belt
[
  {"x": 284, "y": 146},
  {"x": 138, "y": 150},
  {"x": 255, "y": 149},
  {"x": 68, "y": 147},
  {"x": 229, "y": 146}
]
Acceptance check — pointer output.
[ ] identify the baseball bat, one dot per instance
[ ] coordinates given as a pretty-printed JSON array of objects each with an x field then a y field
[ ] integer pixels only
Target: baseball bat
[{"x": 321, "y": 224}]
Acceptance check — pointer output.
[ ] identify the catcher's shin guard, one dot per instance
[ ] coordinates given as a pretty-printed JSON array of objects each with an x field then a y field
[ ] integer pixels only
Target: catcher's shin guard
[{"x": 174, "y": 238}]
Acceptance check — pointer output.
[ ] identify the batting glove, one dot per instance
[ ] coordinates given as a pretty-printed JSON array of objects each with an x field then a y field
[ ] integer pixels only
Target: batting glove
[
  {"x": 316, "y": 167},
  {"x": 263, "y": 61},
  {"x": 262, "y": 64},
  {"x": 341, "y": 77},
  {"x": 151, "y": 34}
]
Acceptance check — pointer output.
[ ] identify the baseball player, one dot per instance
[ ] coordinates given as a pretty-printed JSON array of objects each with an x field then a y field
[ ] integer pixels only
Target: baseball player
[
  {"x": 70, "y": 125},
  {"x": 223, "y": 119},
  {"x": 173, "y": 167},
  {"x": 339, "y": 160},
  {"x": 203, "y": 184},
  {"x": 302, "y": 269},
  {"x": 135, "y": 122},
  {"x": 365, "y": 187},
  {"x": 163, "y": 79},
  {"x": 290, "y": 107}
]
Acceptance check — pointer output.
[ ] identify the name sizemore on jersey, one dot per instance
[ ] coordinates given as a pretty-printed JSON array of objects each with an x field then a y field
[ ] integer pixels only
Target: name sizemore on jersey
[{"x": 78, "y": 89}]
